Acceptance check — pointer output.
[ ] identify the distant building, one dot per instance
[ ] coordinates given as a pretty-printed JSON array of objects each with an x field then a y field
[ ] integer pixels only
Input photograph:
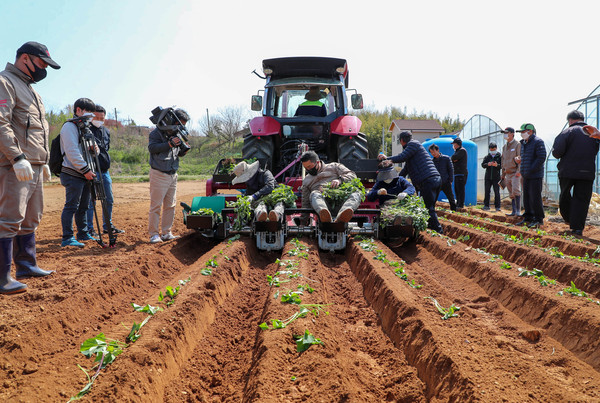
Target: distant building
[
  {"x": 421, "y": 130},
  {"x": 112, "y": 124}
]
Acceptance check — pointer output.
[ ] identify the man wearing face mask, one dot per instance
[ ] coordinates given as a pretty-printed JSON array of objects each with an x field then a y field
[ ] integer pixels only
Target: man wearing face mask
[
  {"x": 444, "y": 166},
  {"x": 320, "y": 174},
  {"x": 492, "y": 163},
  {"x": 389, "y": 185},
  {"x": 511, "y": 152},
  {"x": 24, "y": 154},
  {"x": 459, "y": 160},
  {"x": 75, "y": 176},
  {"x": 533, "y": 156},
  {"x": 102, "y": 136}
]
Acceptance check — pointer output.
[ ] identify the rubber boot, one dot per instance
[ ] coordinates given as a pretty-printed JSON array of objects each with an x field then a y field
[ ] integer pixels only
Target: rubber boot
[
  {"x": 514, "y": 209},
  {"x": 8, "y": 285},
  {"x": 518, "y": 206},
  {"x": 24, "y": 257}
]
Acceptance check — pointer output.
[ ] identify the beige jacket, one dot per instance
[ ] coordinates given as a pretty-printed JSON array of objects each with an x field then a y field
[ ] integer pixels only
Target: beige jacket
[
  {"x": 327, "y": 173},
  {"x": 509, "y": 152},
  {"x": 23, "y": 125}
]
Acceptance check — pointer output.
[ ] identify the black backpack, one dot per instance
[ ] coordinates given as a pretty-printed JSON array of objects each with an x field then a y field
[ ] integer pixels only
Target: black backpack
[{"x": 56, "y": 156}]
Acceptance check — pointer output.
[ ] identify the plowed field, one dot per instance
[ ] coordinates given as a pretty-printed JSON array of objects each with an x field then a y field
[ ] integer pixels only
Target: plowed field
[{"x": 371, "y": 312}]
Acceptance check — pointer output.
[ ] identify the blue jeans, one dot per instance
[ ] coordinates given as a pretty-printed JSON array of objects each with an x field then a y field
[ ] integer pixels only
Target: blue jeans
[
  {"x": 77, "y": 200},
  {"x": 106, "y": 215},
  {"x": 430, "y": 189}
]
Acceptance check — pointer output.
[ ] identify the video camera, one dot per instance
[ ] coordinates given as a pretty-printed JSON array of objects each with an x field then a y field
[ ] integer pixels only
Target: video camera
[
  {"x": 169, "y": 124},
  {"x": 83, "y": 124}
]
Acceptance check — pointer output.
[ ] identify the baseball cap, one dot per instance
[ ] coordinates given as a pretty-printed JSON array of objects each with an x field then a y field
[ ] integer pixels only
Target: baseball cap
[
  {"x": 457, "y": 141},
  {"x": 39, "y": 50},
  {"x": 526, "y": 126},
  {"x": 508, "y": 130}
]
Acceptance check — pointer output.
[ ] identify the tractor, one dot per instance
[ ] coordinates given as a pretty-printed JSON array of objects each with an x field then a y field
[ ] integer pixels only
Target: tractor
[{"x": 277, "y": 139}]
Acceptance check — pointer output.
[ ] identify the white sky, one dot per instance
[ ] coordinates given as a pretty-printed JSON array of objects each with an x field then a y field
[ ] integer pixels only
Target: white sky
[{"x": 514, "y": 61}]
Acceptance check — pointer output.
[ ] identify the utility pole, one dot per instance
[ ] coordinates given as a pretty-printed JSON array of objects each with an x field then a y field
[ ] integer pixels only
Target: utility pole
[
  {"x": 383, "y": 139},
  {"x": 116, "y": 118}
]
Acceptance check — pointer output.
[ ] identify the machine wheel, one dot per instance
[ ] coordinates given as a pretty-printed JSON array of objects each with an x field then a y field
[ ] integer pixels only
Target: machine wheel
[
  {"x": 352, "y": 147},
  {"x": 259, "y": 148}
]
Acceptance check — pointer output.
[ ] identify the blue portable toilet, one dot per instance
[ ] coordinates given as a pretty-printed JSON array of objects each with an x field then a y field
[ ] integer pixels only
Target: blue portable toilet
[{"x": 444, "y": 142}]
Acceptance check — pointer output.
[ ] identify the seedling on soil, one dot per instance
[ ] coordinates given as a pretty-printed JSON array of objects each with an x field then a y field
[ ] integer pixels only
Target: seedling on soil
[
  {"x": 413, "y": 285},
  {"x": 212, "y": 262},
  {"x": 292, "y": 297},
  {"x": 281, "y": 324},
  {"x": 446, "y": 313},
  {"x": 149, "y": 309},
  {"x": 134, "y": 333},
  {"x": 505, "y": 265},
  {"x": 306, "y": 287},
  {"x": 206, "y": 272},
  {"x": 170, "y": 293},
  {"x": 303, "y": 343},
  {"x": 538, "y": 275},
  {"x": 105, "y": 351},
  {"x": 574, "y": 291},
  {"x": 463, "y": 238},
  {"x": 233, "y": 239}
]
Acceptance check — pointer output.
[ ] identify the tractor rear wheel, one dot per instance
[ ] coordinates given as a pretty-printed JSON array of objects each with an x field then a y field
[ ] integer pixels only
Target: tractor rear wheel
[
  {"x": 352, "y": 147},
  {"x": 261, "y": 148}
]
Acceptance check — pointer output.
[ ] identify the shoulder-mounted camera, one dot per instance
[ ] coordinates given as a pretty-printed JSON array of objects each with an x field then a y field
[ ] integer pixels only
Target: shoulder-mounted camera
[{"x": 169, "y": 124}]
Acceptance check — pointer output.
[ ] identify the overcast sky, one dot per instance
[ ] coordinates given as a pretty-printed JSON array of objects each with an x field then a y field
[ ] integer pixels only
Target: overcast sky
[{"x": 514, "y": 61}]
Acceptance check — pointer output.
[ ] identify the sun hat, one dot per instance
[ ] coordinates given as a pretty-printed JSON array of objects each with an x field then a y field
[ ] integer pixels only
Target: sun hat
[
  {"x": 314, "y": 94},
  {"x": 243, "y": 171}
]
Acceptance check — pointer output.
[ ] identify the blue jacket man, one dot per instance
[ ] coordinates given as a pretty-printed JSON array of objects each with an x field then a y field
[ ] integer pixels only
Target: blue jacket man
[
  {"x": 422, "y": 173},
  {"x": 533, "y": 155},
  {"x": 576, "y": 171},
  {"x": 444, "y": 165}
]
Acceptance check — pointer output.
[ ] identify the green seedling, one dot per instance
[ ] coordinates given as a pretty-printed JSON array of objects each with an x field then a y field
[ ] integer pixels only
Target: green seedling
[
  {"x": 106, "y": 351},
  {"x": 170, "y": 293},
  {"x": 206, "y": 271},
  {"x": 134, "y": 333},
  {"x": 463, "y": 238},
  {"x": 184, "y": 282},
  {"x": 303, "y": 343},
  {"x": 292, "y": 297},
  {"x": 233, "y": 239},
  {"x": 573, "y": 290},
  {"x": 505, "y": 265},
  {"x": 306, "y": 287},
  {"x": 273, "y": 281},
  {"x": 446, "y": 313},
  {"x": 538, "y": 275},
  {"x": 212, "y": 262},
  {"x": 413, "y": 285},
  {"x": 149, "y": 309}
]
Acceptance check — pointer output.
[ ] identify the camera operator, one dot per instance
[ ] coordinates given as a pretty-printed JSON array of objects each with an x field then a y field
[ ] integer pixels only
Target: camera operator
[
  {"x": 102, "y": 136},
  {"x": 75, "y": 176},
  {"x": 165, "y": 148}
]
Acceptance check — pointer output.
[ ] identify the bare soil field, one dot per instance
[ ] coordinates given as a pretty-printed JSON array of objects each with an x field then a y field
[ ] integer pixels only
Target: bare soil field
[{"x": 378, "y": 334}]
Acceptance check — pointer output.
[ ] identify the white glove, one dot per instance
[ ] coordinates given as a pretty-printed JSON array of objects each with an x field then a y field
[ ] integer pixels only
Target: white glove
[
  {"x": 23, "y": 170},
  {"x": 402, "y": 195},
  {"x": 46, "y": 175},
  {"x": 250, "y": 199}
]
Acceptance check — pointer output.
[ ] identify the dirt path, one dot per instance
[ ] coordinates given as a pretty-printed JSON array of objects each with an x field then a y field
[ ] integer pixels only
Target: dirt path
[{"x": 372, "y": 308}]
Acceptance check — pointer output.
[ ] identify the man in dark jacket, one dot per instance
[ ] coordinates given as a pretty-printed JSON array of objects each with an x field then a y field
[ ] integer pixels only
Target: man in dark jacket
[
  {"x": 389, "y": 185},
  {"x": 259, "y": 182},
  {"x": 165, "y": 151},
  {"x": 492, "y": 163},
  {"x": 459, "y": 159},
  {"x": 533, "y": 156},
  {"x": 576, "y": 171},
  {"x": 102, "y": 136},
  {"x": 422, "y": 173},
  {"x": 444, "y": 166}
]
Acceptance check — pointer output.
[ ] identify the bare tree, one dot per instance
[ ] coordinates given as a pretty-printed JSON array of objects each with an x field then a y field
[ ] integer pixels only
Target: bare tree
[{"x": 225, "y": 125}]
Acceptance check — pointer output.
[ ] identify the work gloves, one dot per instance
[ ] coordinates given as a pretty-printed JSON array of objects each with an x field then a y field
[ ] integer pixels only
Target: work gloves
[
  {"x": 23, "y": 170},
  {"x": 402, "y": 195},
  {"x": 46, "y": 175}
]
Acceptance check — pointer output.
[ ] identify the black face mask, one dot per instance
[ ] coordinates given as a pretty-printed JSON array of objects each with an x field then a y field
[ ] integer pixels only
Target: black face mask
[
  {"x": 38, "y": 74},
  {"x": 314, "y": 170}
]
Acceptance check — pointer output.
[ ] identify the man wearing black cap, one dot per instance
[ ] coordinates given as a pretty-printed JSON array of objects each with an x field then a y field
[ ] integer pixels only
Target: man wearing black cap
[
  {"x": 23, "y": 157},
  {"x": 459, "y": 160},
  {"x": 576, "y": 171},
  {"x": 510, "y": 169},
  {"x": 533, "y": 156},
  {"x": 492, "y": 163}
]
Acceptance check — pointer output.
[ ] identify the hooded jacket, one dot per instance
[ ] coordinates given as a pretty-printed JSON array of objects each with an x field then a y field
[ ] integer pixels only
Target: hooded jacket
[
  {"x": 419, "y": 164},
  {"x": 24, "y": 129}
]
